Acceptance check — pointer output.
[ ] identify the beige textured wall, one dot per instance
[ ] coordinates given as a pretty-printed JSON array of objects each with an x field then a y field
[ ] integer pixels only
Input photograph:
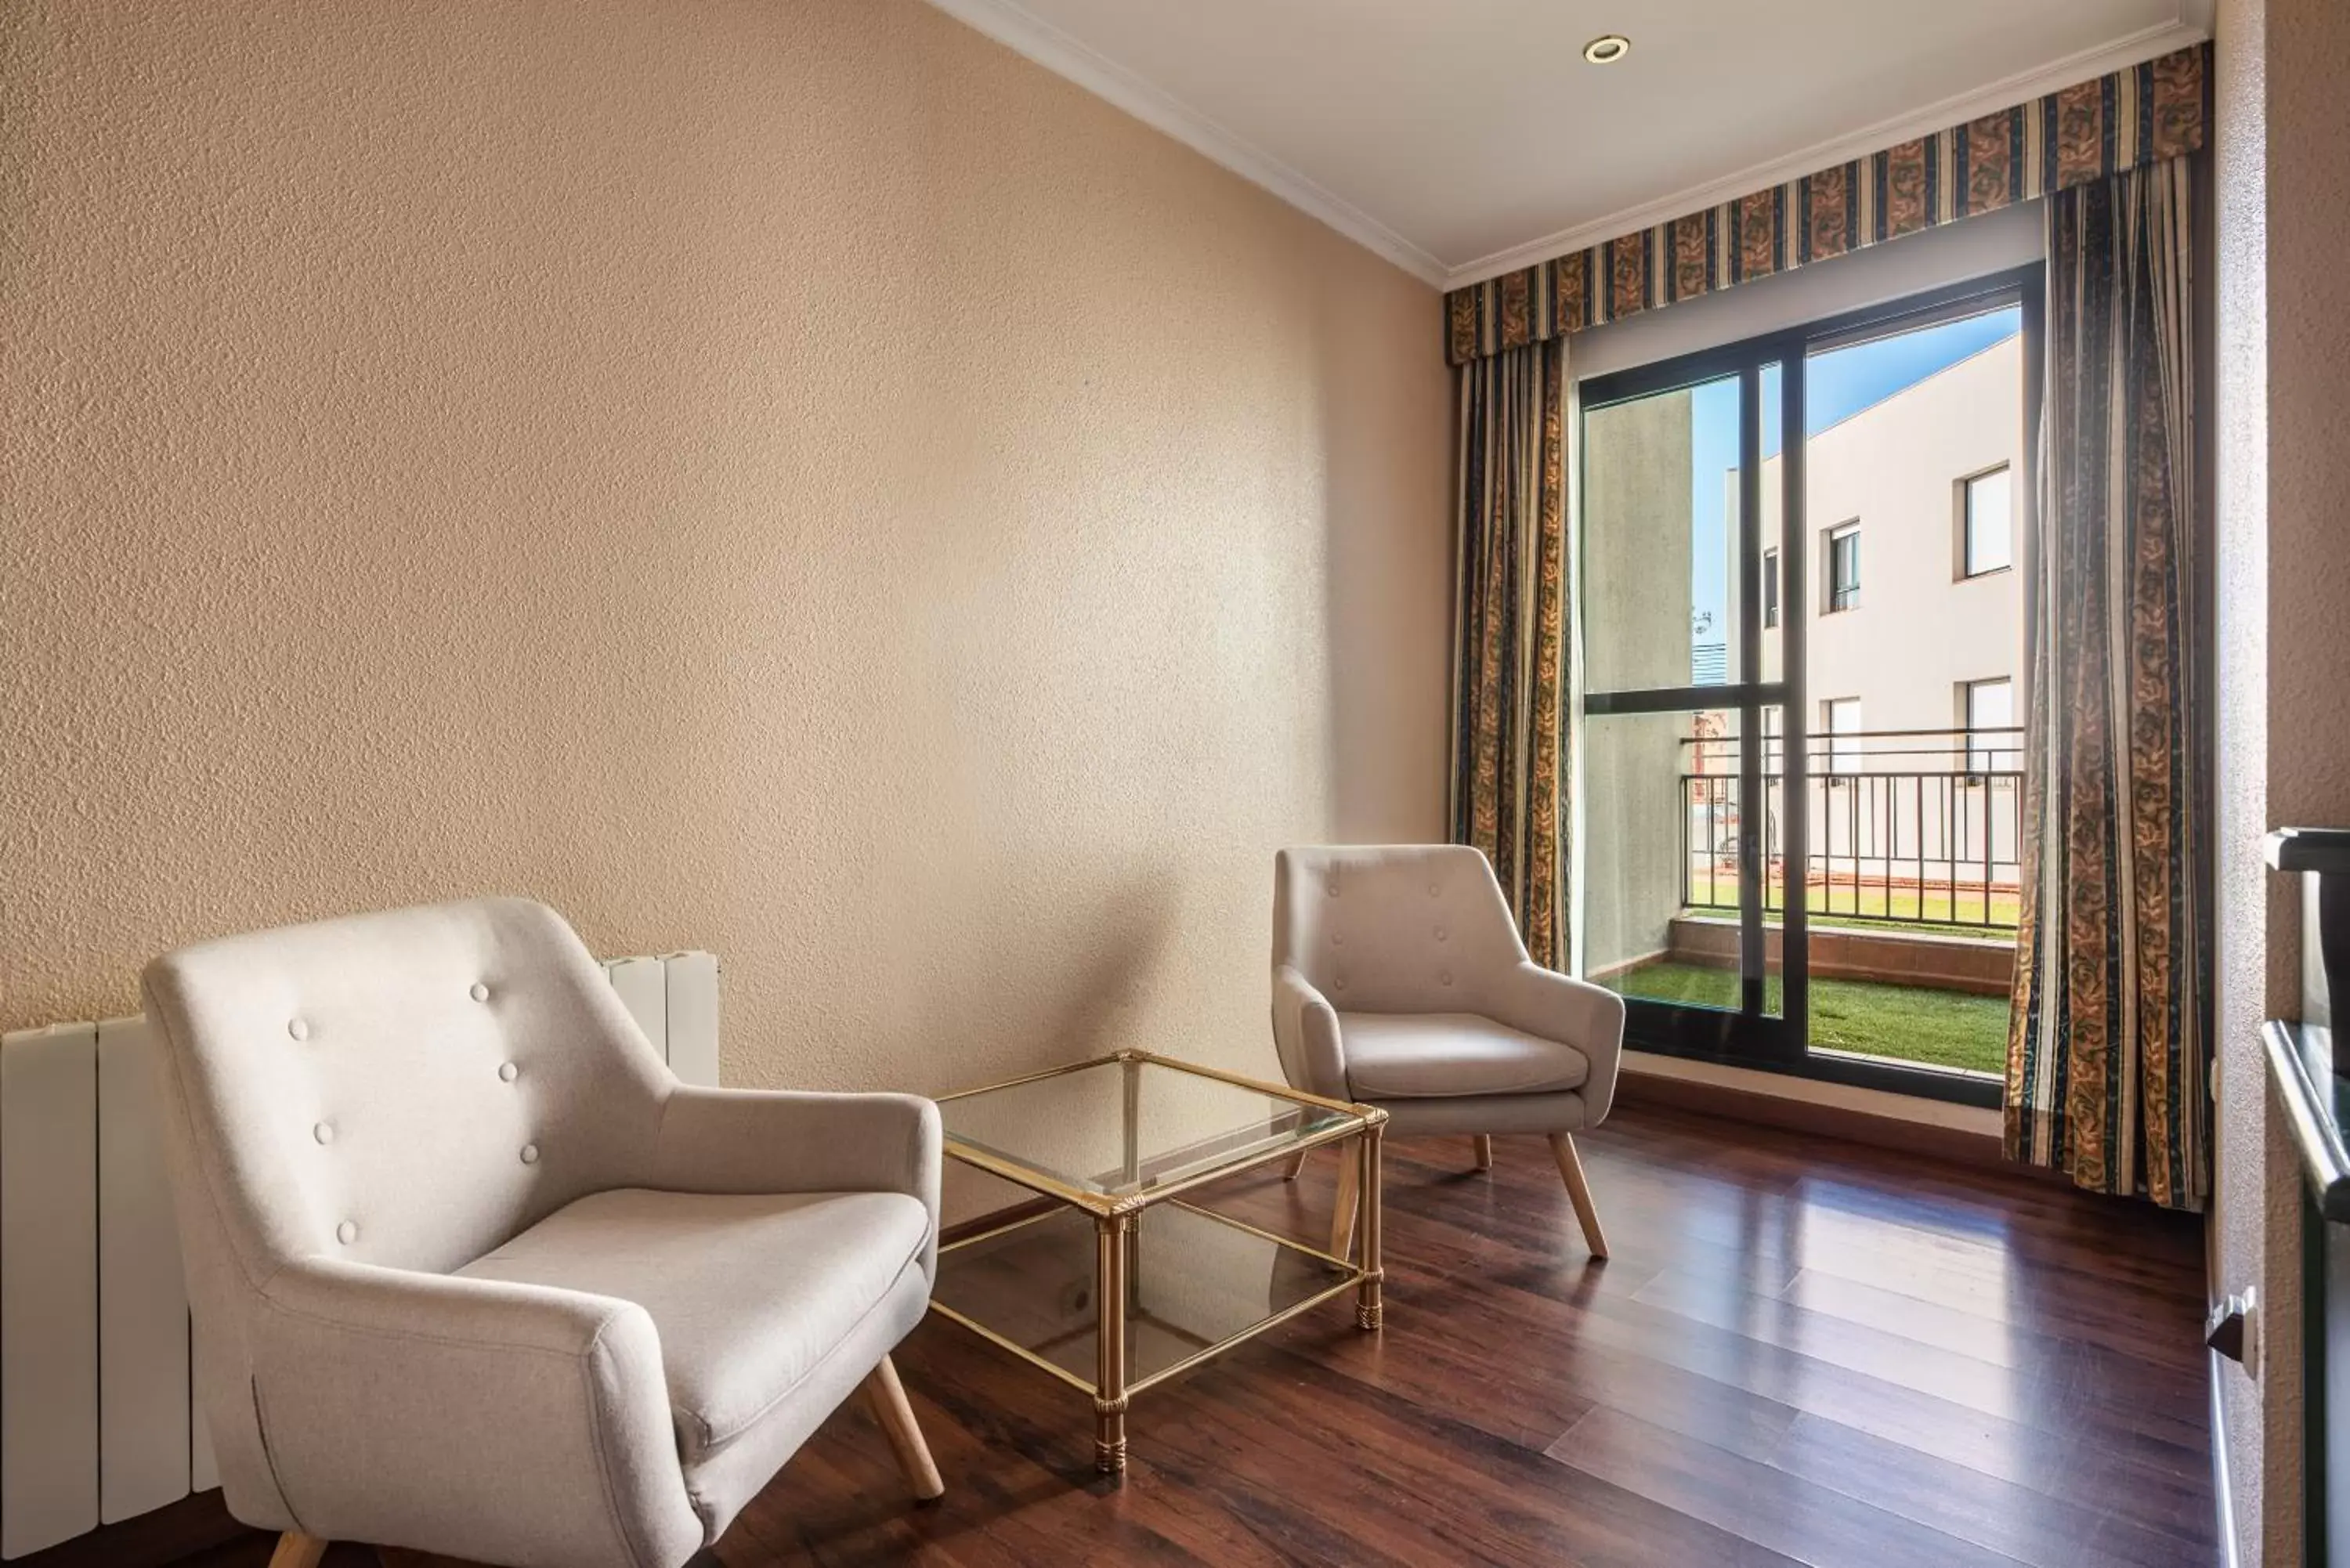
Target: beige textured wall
[
  {"x": 2284, "y": 565},
  {"x": 792, "y": 478}
]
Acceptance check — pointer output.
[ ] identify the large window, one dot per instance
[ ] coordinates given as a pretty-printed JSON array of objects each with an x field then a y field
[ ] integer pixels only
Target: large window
[
  {"x": 1844, "y": 568},
  {"x": 1987, "y": 523},
  {"x": 1737, "y": 794},
  {"x": 1989, "y": 715}
]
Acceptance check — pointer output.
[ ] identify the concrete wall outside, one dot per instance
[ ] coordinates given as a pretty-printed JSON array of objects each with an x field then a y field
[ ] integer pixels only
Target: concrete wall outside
[{"x": 1635, "y": 560}]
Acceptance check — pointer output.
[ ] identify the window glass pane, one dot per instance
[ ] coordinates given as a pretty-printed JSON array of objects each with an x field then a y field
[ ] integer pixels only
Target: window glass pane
[
  {"x": 1843, "y": 725},
  {"x": 1661, "y": 540},
  {"x": 1991, "y": 506},
  {"x": 1666, "y": 822},
  {"x": 1990, "y": 707},
  {"x": 1659, "y": 855},
  {"x": 1770, "y": 587}
]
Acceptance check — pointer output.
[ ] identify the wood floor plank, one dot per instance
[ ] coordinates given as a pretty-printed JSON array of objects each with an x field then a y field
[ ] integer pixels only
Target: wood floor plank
[
  {"x": 1984, "y": 1335},
  {"x": 2024, "y": 1524},
  {"x": 2052, "y": 1389},
  {"x": 1759, "y": 1502}
]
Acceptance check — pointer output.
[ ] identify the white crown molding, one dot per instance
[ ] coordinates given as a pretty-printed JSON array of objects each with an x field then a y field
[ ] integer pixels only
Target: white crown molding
[
  {"x": 2147, "y": 44},
  {"x": 1024, "y": 33},
  {"x": 1027, "y": 34}
]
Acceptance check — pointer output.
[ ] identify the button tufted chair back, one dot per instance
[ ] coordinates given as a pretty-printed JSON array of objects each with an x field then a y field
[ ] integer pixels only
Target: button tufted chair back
[
  {"x": 1392, "y": 927},
  {"x": 408, "y": 1088}
]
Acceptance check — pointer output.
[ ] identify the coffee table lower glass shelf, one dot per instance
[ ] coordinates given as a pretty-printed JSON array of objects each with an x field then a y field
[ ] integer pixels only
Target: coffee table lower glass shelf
[{"x": 1123, "y": 1283}]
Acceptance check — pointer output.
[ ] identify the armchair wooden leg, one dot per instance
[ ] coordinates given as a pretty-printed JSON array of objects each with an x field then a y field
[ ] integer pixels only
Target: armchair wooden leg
[
  {"x": 888, "y": 1398},
  {"x": 1342, "y": 1222},
  {"x": 1484, "y": 1144},
  {"x": 295, "y": 1550},
  {"x": 1295, "y": 1163},
  {"x": 1578, "y": 1192}
]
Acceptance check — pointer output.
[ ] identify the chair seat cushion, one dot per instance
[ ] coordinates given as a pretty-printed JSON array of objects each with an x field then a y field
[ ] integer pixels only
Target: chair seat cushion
[
  {"x": 748, "y": 1294},
  {"x": 1429, "y": 1055}
]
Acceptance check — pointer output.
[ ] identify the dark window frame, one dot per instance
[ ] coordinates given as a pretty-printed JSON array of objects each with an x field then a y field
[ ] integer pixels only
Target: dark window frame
[{"x": 1705, "y": 1034}]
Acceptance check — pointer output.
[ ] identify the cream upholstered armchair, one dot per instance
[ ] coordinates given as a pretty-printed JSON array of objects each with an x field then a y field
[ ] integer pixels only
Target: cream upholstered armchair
[
  {"x": 473, "y": 1275},
  {"x": 1398, "y": 980}
]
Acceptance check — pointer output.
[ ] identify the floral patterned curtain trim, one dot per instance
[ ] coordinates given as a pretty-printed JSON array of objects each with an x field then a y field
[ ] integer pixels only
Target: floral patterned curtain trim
[{"x": 2145, "y": 114}]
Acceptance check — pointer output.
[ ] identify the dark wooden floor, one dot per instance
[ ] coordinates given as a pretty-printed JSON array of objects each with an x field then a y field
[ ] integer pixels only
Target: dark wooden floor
[{"x": 1801, "y": 1351}]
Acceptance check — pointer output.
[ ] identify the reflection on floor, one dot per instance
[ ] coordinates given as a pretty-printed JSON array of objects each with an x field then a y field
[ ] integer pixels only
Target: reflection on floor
[{"x": 1907, "y": 1023}]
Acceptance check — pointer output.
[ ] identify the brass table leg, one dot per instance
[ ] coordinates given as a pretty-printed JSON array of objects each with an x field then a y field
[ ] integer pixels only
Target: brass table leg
[
  {"x": 1342, "y": 1216},
  {"x": 1368, "y": 1311},
  {"x": 1111, "y": 1233}
]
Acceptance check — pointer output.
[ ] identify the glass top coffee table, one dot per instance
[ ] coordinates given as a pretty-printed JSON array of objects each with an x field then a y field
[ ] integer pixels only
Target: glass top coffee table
[{"x": 1119, "y": 1283}]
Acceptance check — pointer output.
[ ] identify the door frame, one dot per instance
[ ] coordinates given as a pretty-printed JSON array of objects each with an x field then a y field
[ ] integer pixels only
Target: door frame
[{"x": 1748, "y": 1037}]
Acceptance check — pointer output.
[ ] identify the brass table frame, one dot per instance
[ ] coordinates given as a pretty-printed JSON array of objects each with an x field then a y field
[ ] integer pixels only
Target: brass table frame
[{"x": 1114, "y": 1223}]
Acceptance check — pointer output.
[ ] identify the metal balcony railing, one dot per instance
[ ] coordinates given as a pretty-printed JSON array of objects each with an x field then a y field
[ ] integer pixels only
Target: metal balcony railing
[{"x": 1909, "y": 828}]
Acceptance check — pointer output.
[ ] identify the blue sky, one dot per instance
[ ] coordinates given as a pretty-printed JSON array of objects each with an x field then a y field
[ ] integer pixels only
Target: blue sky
[{"x": 1840, "y": 385}]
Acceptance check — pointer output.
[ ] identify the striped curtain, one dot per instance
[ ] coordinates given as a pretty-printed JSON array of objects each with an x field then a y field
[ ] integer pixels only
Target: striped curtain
[
  {"x": 1509, "y": 667},
  {"x": 2107, "y": 1059}
]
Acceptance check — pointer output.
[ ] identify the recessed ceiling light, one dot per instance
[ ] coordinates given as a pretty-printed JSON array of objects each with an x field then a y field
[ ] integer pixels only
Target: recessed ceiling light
[{"x": 1608, "y": 49}]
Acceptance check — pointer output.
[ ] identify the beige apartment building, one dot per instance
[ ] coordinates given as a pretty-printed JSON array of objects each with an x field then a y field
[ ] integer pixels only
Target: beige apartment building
[{"x": 1929, "y": 636}]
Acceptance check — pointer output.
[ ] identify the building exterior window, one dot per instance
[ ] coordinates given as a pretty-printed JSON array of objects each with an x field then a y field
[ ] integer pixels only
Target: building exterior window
[
  {"x": 1840, "y": 717},
  {"x": 1988, "y": 523},
  {"x": 1989, "y": 710},
  {"x": 1843, "y": 567},
  {"x": 1770, "y": 589}
]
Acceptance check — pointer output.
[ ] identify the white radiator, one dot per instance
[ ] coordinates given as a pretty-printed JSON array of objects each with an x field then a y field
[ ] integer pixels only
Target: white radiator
[{"x": 94, "y": 1419}]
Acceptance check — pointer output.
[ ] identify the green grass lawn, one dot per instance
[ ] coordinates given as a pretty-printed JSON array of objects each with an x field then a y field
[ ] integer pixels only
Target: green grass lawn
[{"x": 1907, "y": 1024}]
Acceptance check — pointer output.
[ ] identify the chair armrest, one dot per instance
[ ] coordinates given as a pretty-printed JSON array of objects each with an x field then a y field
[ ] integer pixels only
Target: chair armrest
[
  {"x": 1306, "y": 1035},
  {"x": 477, "y": 1419},
  {"x": 1554, "y": 1006},
  {"x": 769, "y": 1140}
]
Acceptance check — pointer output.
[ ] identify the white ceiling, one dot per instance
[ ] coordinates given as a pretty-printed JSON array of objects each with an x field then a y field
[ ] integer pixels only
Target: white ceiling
[{"x": 1460, "y": 138}]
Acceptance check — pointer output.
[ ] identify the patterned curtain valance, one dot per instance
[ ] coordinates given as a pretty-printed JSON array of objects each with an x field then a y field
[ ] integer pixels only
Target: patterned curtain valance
[{"x": 2143, "y": 115}]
